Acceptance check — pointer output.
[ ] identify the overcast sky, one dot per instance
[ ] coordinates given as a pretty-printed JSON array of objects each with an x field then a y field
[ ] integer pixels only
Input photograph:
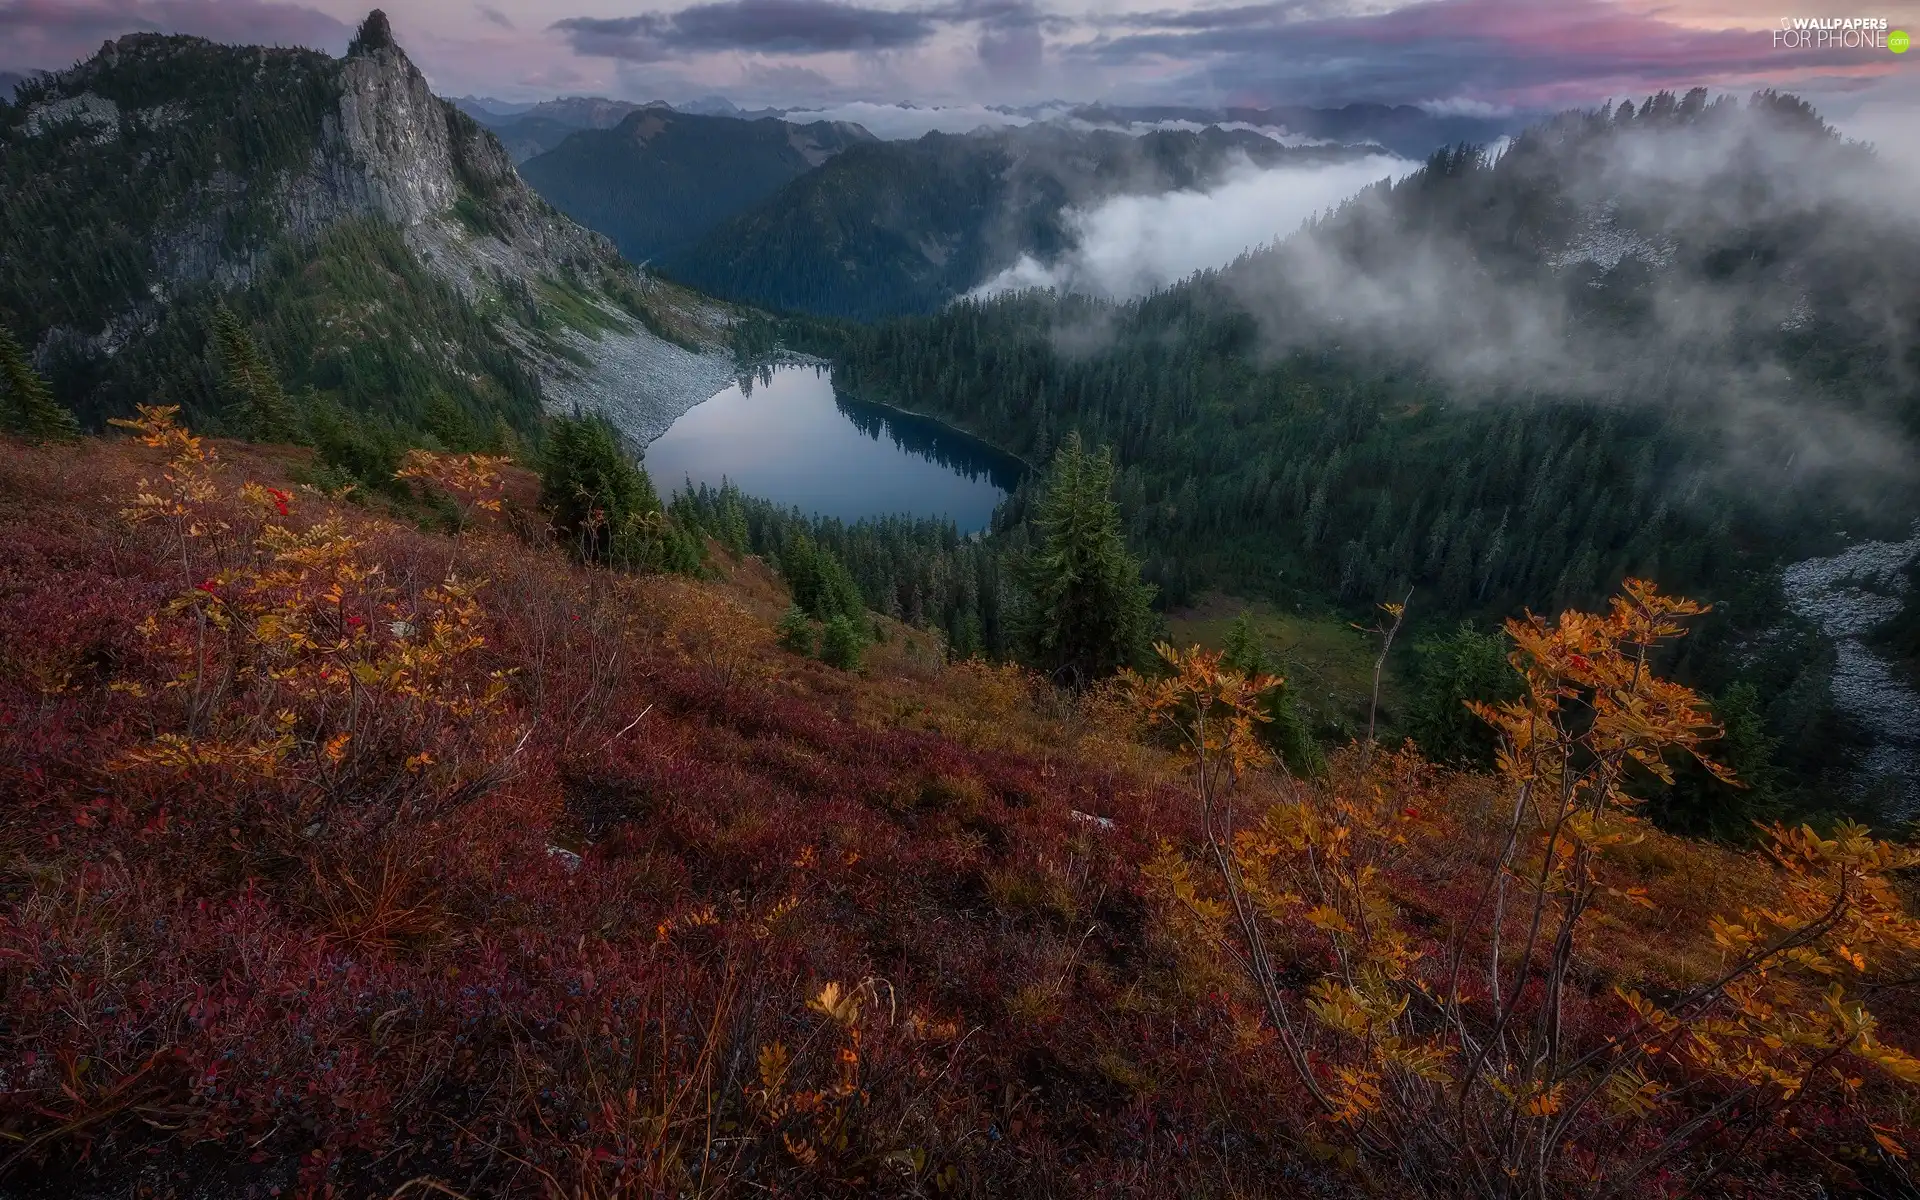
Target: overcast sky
[{"x": 1467, "y": 55}]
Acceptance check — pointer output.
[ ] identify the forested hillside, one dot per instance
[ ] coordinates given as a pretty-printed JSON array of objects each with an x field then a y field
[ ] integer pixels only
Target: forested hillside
[
  {"x": 660, "y": 180},
  {"x": 903, "y": 227},
  {"x": 375, "y": 244},
  {"x": 1501, "y": 384}
]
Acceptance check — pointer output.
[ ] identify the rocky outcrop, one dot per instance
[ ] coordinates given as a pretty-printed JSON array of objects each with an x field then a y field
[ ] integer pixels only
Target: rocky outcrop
[
  {"x": 390, "y": 139},
  {"x": 395, "y": 151},
  {"x": 353, "y": 139}
]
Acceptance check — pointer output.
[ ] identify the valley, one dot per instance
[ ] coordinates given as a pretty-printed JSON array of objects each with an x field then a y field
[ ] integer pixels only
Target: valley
[{"x": 1315, "y": 619}]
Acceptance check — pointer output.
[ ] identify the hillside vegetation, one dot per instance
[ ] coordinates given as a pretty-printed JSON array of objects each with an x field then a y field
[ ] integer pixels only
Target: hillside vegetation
[
  {"x": 1669, "y": 341},
  {"x": 345, "y": 856}
]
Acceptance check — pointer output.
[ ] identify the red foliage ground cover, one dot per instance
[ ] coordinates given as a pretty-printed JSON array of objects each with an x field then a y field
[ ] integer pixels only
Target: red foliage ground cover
[
  {"x": 346, "y": 970},
  {"x": 342, "y": 858}
]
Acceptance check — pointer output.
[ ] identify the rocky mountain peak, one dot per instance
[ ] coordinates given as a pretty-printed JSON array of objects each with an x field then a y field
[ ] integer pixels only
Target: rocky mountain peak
[{"x": 375, "y": 33}]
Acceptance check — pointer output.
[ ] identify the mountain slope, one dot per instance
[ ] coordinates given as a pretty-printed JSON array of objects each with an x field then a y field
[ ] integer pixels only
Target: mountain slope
[
  {"x": 1677, "y": 343},
  {"x": 596, "y": 870},
  {"x": 534, "y": 129},
  {"x": 377, "y": 240},
  {"x": 660, "y": 180},
  {"x": 900, "y": 227}
]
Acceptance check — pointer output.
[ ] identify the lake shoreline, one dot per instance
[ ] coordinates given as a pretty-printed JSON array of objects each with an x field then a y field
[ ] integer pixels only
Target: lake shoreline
[{"x": 783, "y": 432}]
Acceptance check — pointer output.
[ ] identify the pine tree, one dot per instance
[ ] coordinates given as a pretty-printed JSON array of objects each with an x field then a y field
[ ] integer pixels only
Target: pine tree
[
  {"x": 27, "y": 406},
  {"x": 1453, "y": 669},
  {"x": 1285, "y": 730},
  {"x": 254, "y": 398},
  {"x": 604, "y": 504},
  {"x": 841, "y": 644},
  {"x": 795, "y": 631},
  {"x": 1244, "y": 653},
  {"x": 1087, "y": 613}
]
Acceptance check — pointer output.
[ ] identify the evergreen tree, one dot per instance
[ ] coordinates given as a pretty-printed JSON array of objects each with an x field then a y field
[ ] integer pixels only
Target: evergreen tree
[
  {"x": 1453, "y": 669},
  {"x": 603, "y": 503},
  {"x": 841, "y": 644},
  {"x": 27, "y": 406},
  {"x": 1086, "y": 611},
  {"x": 1285, "y": 730},
  {"x": 796, "y": 631},
  {"x": 1701, "y": 806},
  {"x": 820, "y": 582},
  {"x": 1244, "y": 653},
  {"x": 254, "y": 398},
  {"x": 732, "y": 531}
]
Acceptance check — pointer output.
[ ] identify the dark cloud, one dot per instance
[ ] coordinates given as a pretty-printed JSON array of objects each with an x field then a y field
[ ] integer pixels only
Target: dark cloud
[
  {"x": 761, "y": 26},
  {"x": 494, "y": 16},
  {"x": 54, "y": 33},
  {"x": 1242, "y": 16}
]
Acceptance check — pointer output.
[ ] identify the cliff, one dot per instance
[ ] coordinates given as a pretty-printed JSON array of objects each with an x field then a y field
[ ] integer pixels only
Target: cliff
[{"x": 168, "y": 172}]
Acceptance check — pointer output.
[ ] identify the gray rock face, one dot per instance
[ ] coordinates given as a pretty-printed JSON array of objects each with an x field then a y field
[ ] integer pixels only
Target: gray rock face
[
  {"x": 397, "y": 152},
  {"x": 390, "y": 142},
  {"x": 1849, "y": 596},
  {"x": 96, "y": 112},
  {"x": 383, "y": 147}
]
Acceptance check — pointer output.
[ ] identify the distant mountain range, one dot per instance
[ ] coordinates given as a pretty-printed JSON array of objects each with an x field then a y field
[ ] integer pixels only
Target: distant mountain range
[
  {"x": 530, "y": 129},
  {"x": 1404, "y": 129},
  {"x": 888, "y": 228},
  {"x": 660, "y": 180}
]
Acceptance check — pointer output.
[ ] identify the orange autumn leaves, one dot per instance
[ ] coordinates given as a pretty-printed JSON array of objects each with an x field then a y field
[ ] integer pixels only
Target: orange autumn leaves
[
  {"x": 287, "y": 638},
  {"x": 1478, "y": 1048}
]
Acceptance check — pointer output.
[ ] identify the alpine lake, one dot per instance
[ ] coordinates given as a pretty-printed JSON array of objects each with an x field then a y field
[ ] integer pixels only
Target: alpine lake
[{"x": 784, "y": 434}]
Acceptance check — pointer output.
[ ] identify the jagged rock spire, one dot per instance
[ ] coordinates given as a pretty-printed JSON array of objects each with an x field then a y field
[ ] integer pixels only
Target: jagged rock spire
[{"x": 375, "y": 33}]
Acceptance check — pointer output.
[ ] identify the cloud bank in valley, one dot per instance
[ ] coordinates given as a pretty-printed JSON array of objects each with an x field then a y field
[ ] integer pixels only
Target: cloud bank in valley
[
  {"x": 1130, "y": 245},
  {"x": 1720, "y": 233}
]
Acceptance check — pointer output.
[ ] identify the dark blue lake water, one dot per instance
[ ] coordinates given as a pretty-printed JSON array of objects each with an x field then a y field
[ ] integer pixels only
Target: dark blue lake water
[{"x": 788, "y": 437}]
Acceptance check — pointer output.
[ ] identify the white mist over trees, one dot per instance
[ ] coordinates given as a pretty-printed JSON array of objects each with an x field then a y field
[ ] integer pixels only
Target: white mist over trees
[{"x": 1133, "y": 244}]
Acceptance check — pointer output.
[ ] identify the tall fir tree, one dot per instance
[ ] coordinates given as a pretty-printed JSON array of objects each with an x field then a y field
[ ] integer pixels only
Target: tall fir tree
[
  {"x": 254, "y": 397},
  {"x": 603, "y": 502},
  {"x": 1285, "y": 729},
  {"x": 27, "y": 406},
  {"x": 1454, "y": 668},
  {"x": 1086, "y": 612}
]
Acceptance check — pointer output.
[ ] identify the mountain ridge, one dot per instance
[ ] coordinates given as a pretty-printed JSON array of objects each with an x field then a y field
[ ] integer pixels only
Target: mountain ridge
[
  {"x": 240, "y": 165},
  {"x": 661, "y": 179},
  {"x": 894, "y": 227}
]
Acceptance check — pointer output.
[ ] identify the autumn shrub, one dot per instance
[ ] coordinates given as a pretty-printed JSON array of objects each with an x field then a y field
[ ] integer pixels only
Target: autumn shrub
[
  {"x": 1485, "y": 1057},
  {"x": 340, "y": 855}
]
